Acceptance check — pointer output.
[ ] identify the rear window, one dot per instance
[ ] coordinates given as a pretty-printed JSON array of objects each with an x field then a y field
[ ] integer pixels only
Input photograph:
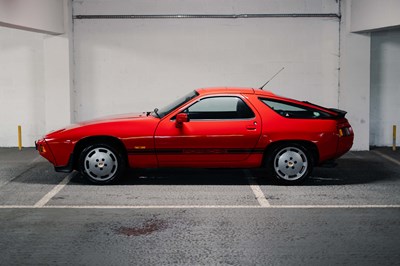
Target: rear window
[{"x": 291, "y": 110}]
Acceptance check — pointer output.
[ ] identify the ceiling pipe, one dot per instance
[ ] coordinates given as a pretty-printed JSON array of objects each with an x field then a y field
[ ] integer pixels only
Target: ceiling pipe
[{"x": 209, "y": 16}]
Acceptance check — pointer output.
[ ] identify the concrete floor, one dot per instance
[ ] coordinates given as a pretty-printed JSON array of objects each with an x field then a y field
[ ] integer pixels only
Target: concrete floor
[{"x": 344, "y": 215}]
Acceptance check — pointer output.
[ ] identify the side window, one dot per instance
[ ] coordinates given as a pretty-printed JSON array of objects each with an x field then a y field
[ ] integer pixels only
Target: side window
[
  {"x": 291, "y": 110},
  {"x": 223, "y": 107}
]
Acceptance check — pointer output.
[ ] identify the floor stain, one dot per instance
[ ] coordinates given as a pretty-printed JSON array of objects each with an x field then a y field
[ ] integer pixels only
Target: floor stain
[{"x": 147, "y": 228}]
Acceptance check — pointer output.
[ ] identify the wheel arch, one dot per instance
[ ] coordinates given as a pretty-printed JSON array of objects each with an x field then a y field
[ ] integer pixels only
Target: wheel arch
[
  {"x": 110, "y": 140},
  {"x": 309, "y": 145}
]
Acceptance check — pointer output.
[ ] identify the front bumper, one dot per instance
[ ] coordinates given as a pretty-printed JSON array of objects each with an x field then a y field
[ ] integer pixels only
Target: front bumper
[{"x": 44, "y": 150}]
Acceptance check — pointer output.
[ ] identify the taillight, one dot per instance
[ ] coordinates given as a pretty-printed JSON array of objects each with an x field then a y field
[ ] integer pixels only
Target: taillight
[{"x": 345, "y": 131}]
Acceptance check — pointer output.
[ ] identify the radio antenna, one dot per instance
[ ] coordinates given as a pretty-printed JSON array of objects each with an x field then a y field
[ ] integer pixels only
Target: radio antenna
[{"x": 272, "y": 78}]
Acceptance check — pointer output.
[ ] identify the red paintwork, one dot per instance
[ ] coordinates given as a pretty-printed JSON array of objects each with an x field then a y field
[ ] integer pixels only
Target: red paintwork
[{"x": 153, "y": 142}]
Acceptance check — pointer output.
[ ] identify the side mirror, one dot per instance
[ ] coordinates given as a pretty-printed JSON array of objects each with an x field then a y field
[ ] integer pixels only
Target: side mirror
[{"x": 180, "y": 119}]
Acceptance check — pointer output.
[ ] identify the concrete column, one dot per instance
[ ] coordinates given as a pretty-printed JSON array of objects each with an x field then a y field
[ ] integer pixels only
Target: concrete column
[
  {"x": 354, "y": 87},
  {"x": 58, "y": 79}
]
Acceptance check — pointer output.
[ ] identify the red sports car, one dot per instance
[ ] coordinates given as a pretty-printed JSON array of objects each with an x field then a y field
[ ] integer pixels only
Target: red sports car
[{"x": 207, "y": 128}]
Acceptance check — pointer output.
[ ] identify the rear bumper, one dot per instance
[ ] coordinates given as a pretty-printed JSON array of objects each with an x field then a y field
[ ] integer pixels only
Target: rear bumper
[{"x": 344, "y": 145}]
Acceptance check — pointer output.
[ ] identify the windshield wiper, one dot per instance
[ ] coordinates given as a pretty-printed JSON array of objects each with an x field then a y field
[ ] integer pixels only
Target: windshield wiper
[{"x": 156, "y": 112}]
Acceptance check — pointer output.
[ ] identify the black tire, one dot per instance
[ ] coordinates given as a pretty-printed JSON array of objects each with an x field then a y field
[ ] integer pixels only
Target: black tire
[
  {"x": 290, "y": 164},
  {"x": 101, "y": 163}
]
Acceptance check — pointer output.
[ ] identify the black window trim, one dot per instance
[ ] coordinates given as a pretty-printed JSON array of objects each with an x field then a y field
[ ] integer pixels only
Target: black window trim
[
  {"x": 327, "y": 117},
  {"x": 218, "y": 119}
]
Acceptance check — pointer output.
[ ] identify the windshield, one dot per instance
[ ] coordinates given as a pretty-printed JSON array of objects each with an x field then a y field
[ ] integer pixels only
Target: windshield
[{"x": 175, "y": 104}]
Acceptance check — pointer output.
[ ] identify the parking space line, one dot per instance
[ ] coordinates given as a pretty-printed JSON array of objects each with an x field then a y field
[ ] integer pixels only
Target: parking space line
[
  {"x": 262, "y": 200},
  {"x": 29, "y": 166},
  {"x": 393, "y": 206},
  {"x": 43, "y": 201},
  {"x": 361, "y": 206},
  {"x": 387, "y": 157}
]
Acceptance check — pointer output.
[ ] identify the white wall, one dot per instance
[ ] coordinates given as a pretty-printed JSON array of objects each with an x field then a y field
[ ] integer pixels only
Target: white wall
[
  {"x": 136, "y": 65},
  {"x": 44, "y": 16},
  {"x": 368, "y": 15},
  {"x": 21, "y": 86},
  {"x": 35, "y": 80},
  {"x": 385, "y": 86},
  {"x": 143, "y": 7}
]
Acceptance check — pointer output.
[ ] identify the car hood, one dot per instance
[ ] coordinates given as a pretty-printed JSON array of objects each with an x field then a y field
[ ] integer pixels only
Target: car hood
[
  {"x": 103, "y": 123},
  {"x": 113, "y": 118}
]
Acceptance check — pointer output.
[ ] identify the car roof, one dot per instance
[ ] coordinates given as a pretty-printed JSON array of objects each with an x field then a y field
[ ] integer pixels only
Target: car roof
[
  {"x": 235, "y": 90},
  {"x": 258, "y": 92}
]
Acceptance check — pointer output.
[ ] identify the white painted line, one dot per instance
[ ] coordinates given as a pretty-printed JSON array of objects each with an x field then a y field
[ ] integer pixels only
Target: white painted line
[
  {"x": 262, "y": 200},
  {"x": 162, "y": 207},
  {"x": 387, "y": 157},
  {"x": 29, "y": 166},
  {"x": 201, "y": 207},
  {"x": 38, "y": 158},
  {"x": 131, "y": 207},
  {"x": 334, "y": 206},
  {"x": 43, "y": 201}
]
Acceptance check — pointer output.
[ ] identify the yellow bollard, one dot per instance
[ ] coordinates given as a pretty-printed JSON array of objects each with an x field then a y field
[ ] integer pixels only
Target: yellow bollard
[
  {"x": 394, "y": 138},
  {"x": 19, "y": 137}
]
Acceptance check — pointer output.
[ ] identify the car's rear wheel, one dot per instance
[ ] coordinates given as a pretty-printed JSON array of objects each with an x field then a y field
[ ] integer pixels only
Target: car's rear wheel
[
  {"x": 101, "y": 163},
  {"x": 290, "y": 163}
]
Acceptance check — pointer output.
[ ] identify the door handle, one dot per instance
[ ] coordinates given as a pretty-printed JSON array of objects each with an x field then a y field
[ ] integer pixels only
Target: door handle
[{"x": 251, "y": 127}]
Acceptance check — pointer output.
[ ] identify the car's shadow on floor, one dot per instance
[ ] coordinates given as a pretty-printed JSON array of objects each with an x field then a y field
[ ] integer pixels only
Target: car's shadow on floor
[
  {"x": 176, "y": 176},
  {"x": 354, "y": 171},
  {"x": 349, "y": 171}
]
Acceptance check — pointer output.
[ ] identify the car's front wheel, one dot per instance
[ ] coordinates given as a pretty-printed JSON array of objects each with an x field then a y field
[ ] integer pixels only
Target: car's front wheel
[
  {"x": 290, "y": 163},
  {"x": 101, "y": 163}
]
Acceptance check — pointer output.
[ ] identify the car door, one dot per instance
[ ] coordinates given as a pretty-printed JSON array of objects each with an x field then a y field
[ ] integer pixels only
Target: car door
[{"x": 221, "y": 130}]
